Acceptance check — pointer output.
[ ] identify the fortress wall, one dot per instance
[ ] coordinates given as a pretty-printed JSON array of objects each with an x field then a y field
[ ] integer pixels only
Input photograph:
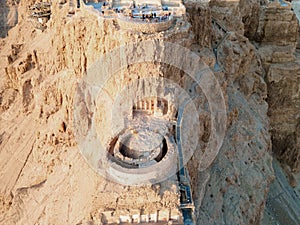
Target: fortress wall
[{"x": 144, "y": 27}]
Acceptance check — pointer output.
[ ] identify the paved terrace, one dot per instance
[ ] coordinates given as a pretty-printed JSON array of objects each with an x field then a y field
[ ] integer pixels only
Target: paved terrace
[{"x": 140, "y": 16}]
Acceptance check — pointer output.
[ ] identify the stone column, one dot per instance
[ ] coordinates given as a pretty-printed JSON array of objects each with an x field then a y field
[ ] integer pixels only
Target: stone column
[{"x": 140, "y": 104}]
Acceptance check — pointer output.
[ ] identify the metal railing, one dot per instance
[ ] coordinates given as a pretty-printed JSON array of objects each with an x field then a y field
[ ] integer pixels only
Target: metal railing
[{"x": 186, "y": 198}]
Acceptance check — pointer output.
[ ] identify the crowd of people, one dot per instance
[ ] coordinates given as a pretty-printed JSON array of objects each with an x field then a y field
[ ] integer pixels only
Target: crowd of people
[
  {"x": 151, "y": 17},
  {"x": 143, "y": 13}
]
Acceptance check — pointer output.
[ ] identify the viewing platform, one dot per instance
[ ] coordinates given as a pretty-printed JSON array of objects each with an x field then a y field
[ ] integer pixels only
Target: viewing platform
[
  {"x": 144, "y": 25},
  {"x": 140, "y": 15}
]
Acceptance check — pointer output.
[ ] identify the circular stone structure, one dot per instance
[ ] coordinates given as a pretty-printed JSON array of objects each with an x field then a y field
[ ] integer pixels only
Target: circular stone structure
[
  {"x": 138, "y": 148},
  {"x": 100, "y": 116},
  {"x": 150, "y": 168},
  {"x": 140, "y": 144}
]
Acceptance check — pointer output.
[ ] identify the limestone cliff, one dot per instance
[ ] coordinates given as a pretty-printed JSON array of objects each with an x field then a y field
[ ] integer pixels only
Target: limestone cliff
[
  {"x": 45, "y": 179},
  {"x": 9, "y": 16},
  {"x": 278, "y": 35}
]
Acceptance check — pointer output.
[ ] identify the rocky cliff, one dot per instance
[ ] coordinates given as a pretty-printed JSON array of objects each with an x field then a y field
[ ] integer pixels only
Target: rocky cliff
[
  {"x": 9, "y": 16},
  {"x": 277, "y": 50},
  {"x": 45, "y": 179}
]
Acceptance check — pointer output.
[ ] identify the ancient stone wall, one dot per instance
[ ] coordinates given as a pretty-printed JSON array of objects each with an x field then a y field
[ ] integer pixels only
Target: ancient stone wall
[
  {"x": 45, "y": 178},
  {"x": 144, "y": 27}
]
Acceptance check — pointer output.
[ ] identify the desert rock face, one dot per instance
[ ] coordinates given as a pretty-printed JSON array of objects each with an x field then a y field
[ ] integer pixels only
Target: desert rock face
[
  {"x": 45, "y": 179},
  {"x": 9, "y": 16},
  {"x": 239, "y": 16},
  {"x": 200, "y": 18},
  {"x": 278, "y": 34},
  {"x": 246, "y": 92}
]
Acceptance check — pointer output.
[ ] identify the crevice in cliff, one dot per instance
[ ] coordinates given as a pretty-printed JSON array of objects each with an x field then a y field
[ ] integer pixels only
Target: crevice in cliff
[{"x": 24, "y": 164}]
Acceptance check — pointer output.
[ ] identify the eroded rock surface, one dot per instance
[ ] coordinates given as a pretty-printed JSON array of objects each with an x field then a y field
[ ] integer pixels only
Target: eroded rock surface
[
  {"x": 44, "y": 178},
  {"x": 278, "y": 33},
  {"x": 8, "y": 16}
]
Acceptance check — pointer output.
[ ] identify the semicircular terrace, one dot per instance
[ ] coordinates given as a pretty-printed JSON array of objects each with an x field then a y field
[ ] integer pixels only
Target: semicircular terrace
[
  {"x": 144, "y": 26},
  {"x": 143, "y": 16}
]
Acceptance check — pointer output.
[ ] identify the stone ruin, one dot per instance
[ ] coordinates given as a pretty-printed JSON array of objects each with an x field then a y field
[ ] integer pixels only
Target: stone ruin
[
  {"x": 39, "y": 14},
  {"x": 142, "y": 15}
]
